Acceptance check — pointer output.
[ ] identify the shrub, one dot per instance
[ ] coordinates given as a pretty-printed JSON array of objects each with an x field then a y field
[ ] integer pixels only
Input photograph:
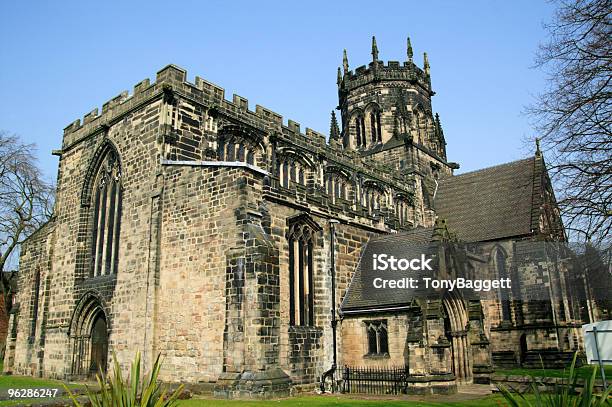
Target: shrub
[
  {"x": 564, "y": 395},
  {"x": 115, "y": 391}
]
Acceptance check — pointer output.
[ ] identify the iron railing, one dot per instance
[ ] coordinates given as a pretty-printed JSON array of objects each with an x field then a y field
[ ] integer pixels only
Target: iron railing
[{"x": 375, "y": 380}]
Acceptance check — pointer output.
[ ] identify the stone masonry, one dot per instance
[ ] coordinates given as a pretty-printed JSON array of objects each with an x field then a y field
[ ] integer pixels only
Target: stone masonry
[{"x": 174, "y": 217}]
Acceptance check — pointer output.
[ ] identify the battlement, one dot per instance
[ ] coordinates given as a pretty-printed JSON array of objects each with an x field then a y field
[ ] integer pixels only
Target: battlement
[
  {"x": 379, "y": 71},
  {"x": 174, "y": 79}
]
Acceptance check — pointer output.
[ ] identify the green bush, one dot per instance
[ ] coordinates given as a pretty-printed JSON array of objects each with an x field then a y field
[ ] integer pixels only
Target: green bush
[
  {"x": 115, "y": 391},
  {"x": 564, "y": 395}
]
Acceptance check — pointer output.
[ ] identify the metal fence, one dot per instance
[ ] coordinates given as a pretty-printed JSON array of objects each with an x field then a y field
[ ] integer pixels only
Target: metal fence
[{"x": 373, "y": 380}]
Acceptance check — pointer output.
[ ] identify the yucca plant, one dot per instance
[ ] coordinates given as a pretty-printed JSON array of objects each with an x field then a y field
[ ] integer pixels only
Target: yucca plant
[
  {"x": 564, "y": 394},
  {"x": 115, "y": 391}
]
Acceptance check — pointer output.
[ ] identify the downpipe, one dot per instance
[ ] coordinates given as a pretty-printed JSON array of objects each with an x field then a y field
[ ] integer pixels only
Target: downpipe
[{"x": 334, "y": 321}]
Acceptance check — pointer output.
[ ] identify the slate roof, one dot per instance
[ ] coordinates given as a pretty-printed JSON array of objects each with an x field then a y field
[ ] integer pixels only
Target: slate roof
[
  {"x": 362, "y": 295},
  {"x": 492, "y": 203}
]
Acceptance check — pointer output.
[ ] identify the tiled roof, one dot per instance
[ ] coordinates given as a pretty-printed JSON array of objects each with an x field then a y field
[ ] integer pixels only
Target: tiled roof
[
  {"x": 362, "y": 295},
  {"x": 492, "y": 203}
]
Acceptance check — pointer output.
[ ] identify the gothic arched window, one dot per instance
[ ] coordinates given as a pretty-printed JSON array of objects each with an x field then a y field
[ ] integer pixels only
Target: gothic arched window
[
  {"x": 285, "y": 178},
  {"x": 360, "y": 133},
  {"x": 375, "y": 131},
  {"x": 231, "y": 151},
  {"x": 106, "y": 206},
  {"x": 301, "y": 274},
  {"x": 292, "y": 171},
  {"x": 237, "y": 150},
  {"x": 241, "y": 154},
  {"x": 378, "y": 341},
  {"x": 500, "y": 265}
]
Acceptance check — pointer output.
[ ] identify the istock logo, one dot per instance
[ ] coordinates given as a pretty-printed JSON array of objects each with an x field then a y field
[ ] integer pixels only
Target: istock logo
[{"x": 384, "y": 262}]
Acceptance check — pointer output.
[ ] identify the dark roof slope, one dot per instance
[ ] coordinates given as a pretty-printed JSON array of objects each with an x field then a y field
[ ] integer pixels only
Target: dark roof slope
[
  {"x": 362, "y": 295},
  {"x": 489, "y": 204}
]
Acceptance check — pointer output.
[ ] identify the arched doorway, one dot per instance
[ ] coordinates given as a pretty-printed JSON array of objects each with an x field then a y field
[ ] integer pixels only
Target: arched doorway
[
  {"x": 99, "y": 345},
  {"x": 89, "y": 337},
  {"x": 455, "y": 329}
]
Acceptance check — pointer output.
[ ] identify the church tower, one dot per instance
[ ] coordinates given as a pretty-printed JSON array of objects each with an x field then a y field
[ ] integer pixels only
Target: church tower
[{"x": 387, "y": 115}]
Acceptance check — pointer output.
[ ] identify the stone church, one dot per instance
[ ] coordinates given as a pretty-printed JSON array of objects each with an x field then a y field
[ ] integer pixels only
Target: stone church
[{"x": 229, "y": 241}]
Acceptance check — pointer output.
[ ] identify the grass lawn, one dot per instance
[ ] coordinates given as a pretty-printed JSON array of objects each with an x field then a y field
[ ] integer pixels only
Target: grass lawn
[
  {"x": 313, "y": 401},
  {"x": 342, "y": 401},
  {"x": 27, "y": 382},
  {"x": 22, "y": 402},
  {"x": 583, "y": 371}
]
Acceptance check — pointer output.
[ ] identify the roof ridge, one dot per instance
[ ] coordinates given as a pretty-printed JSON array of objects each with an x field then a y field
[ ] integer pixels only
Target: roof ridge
[
  {"x": 414, "y": 231},
  {"x": 488, "y": 168}
]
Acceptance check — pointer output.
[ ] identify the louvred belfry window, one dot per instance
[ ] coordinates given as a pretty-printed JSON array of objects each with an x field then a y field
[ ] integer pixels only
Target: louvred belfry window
[{"x": 106, "y": 216}]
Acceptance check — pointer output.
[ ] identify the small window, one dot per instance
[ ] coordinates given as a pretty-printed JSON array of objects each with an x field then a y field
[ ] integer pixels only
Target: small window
[
  {"x": 285, "y": 178},
  {"x": 221, "y": 150},
  {"x": 241, "y": 152},
  {"x": 378, "y": 341},
  {"x": 231, "y": 152}
]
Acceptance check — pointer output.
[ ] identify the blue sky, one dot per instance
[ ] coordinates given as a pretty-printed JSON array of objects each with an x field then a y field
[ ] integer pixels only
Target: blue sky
[{"x": 58, "y": 60}]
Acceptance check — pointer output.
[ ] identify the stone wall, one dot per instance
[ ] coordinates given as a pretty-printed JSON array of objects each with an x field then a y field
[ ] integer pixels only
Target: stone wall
[
  {"x": 134, "y": 137},
  {"x": 26, "y": 340},
  {"x": 543, "y": 313},
  {"x": 198, "y": 218},
  {"x": 355, "y": 342},
  {"x": 203, "y": 271}
]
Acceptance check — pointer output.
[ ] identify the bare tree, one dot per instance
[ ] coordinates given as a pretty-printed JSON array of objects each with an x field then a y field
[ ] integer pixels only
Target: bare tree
[
  {"x": 26, "y": 202},
  {"x": 573, "y": 114}
]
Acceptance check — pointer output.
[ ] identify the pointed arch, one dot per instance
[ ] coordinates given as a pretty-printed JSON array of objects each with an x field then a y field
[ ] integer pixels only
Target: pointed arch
[
  {"x": 338, "y": 182},
  {"x": 456, "y": 324},
  {"x": 294, "y": 166},
  {"x": 88, "y": 332},
  {"x": 100, "y": 217},
  {"x": 102, "y": 151},
  {"x": 302, "y": 239},
  {"x": 499, "y": 260},
  {"x": 240, "y": 143},
  {"x": 373, "y": 117},
  {"x": 357, "y": 128},
  {"x": 373, "y": 195}
]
